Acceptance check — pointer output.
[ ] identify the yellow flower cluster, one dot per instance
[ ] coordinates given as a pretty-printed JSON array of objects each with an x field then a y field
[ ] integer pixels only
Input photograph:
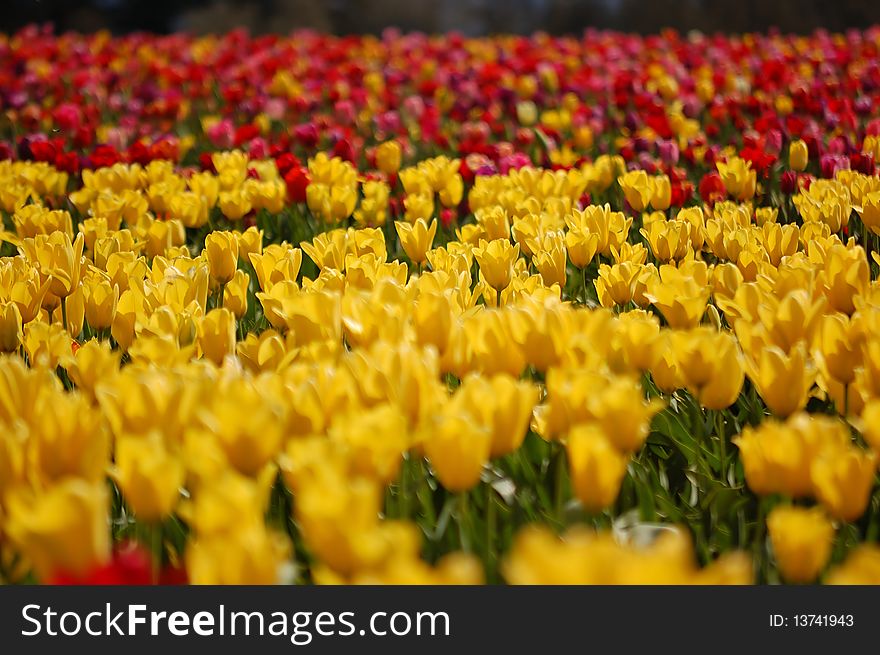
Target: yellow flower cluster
[{"x": 211, "y": 376}]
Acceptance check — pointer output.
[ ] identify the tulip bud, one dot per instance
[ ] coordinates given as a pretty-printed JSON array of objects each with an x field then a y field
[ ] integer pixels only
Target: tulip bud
[
  {"x": 662, "y": 195},
  {"x": 802, "y": 540},
  {"x": 100, "y": 302},
  {"x": 638, "y": 189},
  {"x": 596, "y": 466},
  {"x": 235, "y": 294},
  {"x": 10, "y": 327},
  {"x": 842, "y": 480},
  {"x": 149, "y": 476},
  {"x": 457, "y": 447},
  {"x": 63, "y": 529},
  {"x": 388, "y": 157},
  {"x": 496, "y": 260},
  {"x": 216, "y": 334},
  {"x": 798, "y": 156},
  {"x": 416, "y": 238},
  {"x": 221, "y": 249}
]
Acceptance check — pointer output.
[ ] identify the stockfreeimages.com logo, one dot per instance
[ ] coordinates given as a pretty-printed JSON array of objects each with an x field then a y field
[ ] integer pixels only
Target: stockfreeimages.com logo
[{"x": 300, "y": 627}]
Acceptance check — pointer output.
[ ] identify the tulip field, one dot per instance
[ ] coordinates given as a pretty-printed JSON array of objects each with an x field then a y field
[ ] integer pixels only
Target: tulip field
[{"x": 305, "y": 309}]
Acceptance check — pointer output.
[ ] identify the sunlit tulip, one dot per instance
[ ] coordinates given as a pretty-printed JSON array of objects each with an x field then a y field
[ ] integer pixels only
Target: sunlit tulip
[
  {"x": 679, "y": 297},
  {"x": 496, "y": 259},
  {"x": 783, "y": 380},
  {"x": 276, "y": 263},
  {"x": 503, "y": 404},
  {"x": 93, "y": 363},
  {"x": 615, "y": 284},
  {"x": 739, "y": 178},
  {"x": 845, "y": 275},
  {"x": 416, "y": 238},
  {"x": 221, "y": 249},
  {"x": 59, "y": 260}
]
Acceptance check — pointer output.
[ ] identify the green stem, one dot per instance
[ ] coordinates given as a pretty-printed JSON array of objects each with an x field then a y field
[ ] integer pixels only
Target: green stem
[
  {"x": 584, "y": 279},
  {"x": 722, "y": 444},
  {"x": 64, "y": 312},
  {"x": 404, "y": 488},
  {"x": 464, "y": 522},
  {"x": 156, "y": 551},
  {"x": 491, "y": 527},
  {"x": 559, "y": 490}
]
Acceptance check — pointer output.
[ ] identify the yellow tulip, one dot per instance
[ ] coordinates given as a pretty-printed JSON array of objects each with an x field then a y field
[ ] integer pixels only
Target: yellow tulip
[
  {"x": 611, "y": 228},
  {"x": 61, "y": 530},
  {"x": 101, "y": 298},
  {"x": 662, "y": 195},
  {"x": 503, "y": 404},
  {"x": 235, "y": 294},
  {"x": 416, "y": 238},
  {"x": 388, "y": 157},
  {"x": 844, "y": 276},
  {"x": 615, "y": 285},
  {"x": 550, "y": 259},
  {"x": 59, "y": 260},
  {"x": 27, "y": 290},
  {"x": 262, "y": 353},
  {"x": 783, "y": 380},
  {"x": 216, "y": 334},
  {"x": 680, "y": 297},
  {"x": 46, "y": 344},
  {"x": 738, "y": 177},
  {"x": 93, "y": 363},
  {"x": 496, "y": 259},
  {"x": 250, "y": 242},
  {"x": 837, "y": 348},
  {"x": 596, "y": 467},
  {"x": 581, "y": 246},
  {"x": 798, "y": 156},
  {"x": 638, "y": 189},
  {"x": 369, "y": 456},
  {"x": 276, "y": 263},
  {"x": 843, "y": 480},
  {"x": 669, "y": 240},
  {"x": 802, "y": 540},
  {"x": 712, "y": 366},
  {"x": 148, "y": 475},
  {"x": 778, "y": 457},
  {"x": 221, "y": 249},
  {"x": 254, "y": 555},
  {"x": 457, "y": 447},
  {"x": 861, "y": 566},
  {"x": 234, "y": 204},
  {"x": 10, "y": 327}
]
